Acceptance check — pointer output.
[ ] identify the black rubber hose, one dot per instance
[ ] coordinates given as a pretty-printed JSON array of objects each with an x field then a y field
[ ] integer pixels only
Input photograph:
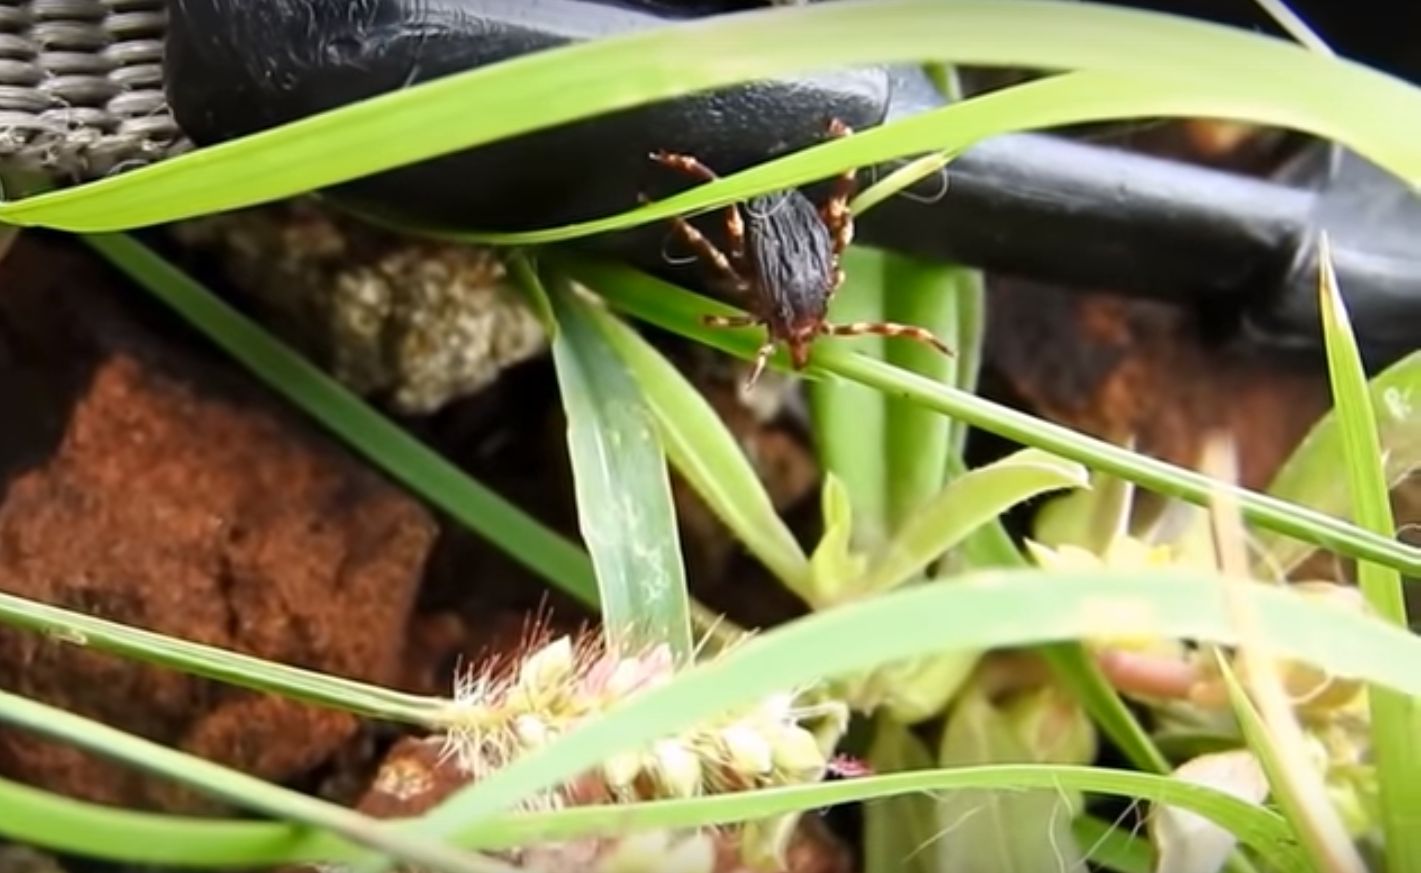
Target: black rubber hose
[{"x": 1037, "y": 206}]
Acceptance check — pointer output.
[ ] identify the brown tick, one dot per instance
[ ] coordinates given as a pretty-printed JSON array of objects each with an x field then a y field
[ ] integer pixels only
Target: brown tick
[{"x": 783, "y": 259}]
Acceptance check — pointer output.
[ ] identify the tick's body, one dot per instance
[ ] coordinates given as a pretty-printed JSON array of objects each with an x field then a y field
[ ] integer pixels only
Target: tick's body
[{"x": 783, "y": 259}]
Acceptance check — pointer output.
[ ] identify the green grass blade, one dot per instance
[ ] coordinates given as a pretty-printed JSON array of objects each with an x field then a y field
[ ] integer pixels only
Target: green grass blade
[
  {"x": 1396, "y": 719},
  {"x": 1225, "y": 71},
  {"x": 917, "y": 442},
  {"x": 997, "y": 831},
  {"x": 973, "y": 612},
  {"x": 1060, "y": 100},
  {"x": 850, "y": 421},
  {"x": 623, "y": 489},
  {"x": 1111, "y": 847},
  {"x": 966, "y": 504},
  {"x": 234, "y": 787},
  {"x": 1309, "y": 476},
  {"x": 678, "y": 310},
  {"x": 372, "y": 434},
  {"x": 708, "y": 456},
  {"x": 897, "y": 831},
  {"x": 89, "y": 829},
  {"x": 225, "y": 666},
  {"x": 1294, "y": 785}
]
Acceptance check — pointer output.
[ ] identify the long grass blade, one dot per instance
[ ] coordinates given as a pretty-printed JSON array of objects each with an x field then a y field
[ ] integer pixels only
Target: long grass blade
[
  {"x": 237, "y": 788},
  {"x": 678, "y": 310},
  {"x": 1396, "y": 719},
  {"x": 705, "y": 452},
  {"x": 972, "y": 612},
  {"x": 623, "y": 489},
  {"x": 1224, "y": 71}
]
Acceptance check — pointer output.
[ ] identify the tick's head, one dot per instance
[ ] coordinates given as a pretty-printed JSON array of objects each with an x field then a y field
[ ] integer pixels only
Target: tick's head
[{"x": 799, "y": 338}]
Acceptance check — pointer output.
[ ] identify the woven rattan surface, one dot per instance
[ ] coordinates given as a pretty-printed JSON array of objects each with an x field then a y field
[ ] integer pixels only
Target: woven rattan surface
[{"x": 81, "y": 87}]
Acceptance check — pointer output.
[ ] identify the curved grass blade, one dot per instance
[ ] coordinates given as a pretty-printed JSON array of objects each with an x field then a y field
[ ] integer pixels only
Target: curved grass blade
[
  {"x": 966, "y": 504},
  {"x": 706, "y": 453},
  {"x": 1056, "y": 101},
  {"x": 237, "y": 788},
  {"x": 372, "y": 434},
  {"x": 678, "y": 310},
  {"x": 1309, "y": 476},
  {"x": 624, "y": 503},
  {"x": 86, "y": 828},
  {"x": 973, "y": 612},
  {"x": 1225, "y": 72}
]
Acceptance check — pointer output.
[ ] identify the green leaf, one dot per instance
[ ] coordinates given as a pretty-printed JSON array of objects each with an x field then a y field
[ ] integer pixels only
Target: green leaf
[
  {"x": 834, "y": 565},
  {"x": 708, "y": 456},
  {"x": 51, "y": 821},
  {"x": 999, "y": 831},
  {"x": 963, "y": 506},
  {"x": 355, "y": 422},
  {"x": 917, "y": 441},
  {"x": 1309, "y": 476},
  {"x": 1111, "y": 847},
  {"x": 969, "y": 613},
  {"x": 679, "y": 311},
  {"x": 1396, "y": 719},
  {"x": 624, "y": 506},
  {"x": 1091, "y": 518},
  {"x": 898, "y": 832},
  {"x": 1296, "y": 786},
  {"x": 234, "y": 787},
  {"x": 1158, "y": 64},
  {"x": 849, "y": 419}
]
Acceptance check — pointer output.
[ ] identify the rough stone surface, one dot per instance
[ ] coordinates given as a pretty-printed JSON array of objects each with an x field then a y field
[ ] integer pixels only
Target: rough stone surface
[{"x": 149, "y": 482}]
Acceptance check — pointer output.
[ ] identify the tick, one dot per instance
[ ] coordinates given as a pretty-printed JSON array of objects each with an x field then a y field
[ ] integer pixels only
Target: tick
[{"x": 782, "y": 258}]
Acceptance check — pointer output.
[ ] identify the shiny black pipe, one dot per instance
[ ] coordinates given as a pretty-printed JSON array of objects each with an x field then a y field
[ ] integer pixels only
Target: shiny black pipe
[{"x": 1038, "y": 206}]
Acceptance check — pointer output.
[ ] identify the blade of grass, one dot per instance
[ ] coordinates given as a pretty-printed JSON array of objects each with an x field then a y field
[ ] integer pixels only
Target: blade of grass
[
  {"x": 1296, "y": 786},
  {"x": 1309, "y": 476},
  {"x": 235, "y": 668},
  {"x": 972, "y": 612},
  {"x": 97, "y": 831},
  {"x": 1395, "y": 718},
  {"x": 850, "y": 420},
  {"x": 1240, "y": 73},
  {"x": 1294, "y": 25},
  {"x": 1110, "y": 847},
  {"x": 917, "y": 441},
  {"x": 623, "y": 489},
  {"x": 373, "y": 435},
  {"x": 708, "y": 456},
  {"x": 678, "y": 310},
  {"x": 897, "y": 830},
  {"x": 967, "y": 503},
  {"x": 237, "y": 788}
]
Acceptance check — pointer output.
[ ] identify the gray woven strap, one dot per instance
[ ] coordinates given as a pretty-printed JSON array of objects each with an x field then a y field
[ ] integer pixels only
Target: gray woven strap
[{"x": 81, "y": 87}]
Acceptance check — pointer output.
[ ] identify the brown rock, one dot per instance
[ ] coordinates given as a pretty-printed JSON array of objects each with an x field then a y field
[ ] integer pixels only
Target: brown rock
[{"x": 150, "y": 483}]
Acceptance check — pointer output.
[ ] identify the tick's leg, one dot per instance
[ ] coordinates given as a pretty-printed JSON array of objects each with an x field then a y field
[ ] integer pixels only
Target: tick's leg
[
  {"x": 734, "y": 224},
  {"x": 835, "y": 211},
  {"x": 729, "y": 320},
  {"x": 888, "y": 329},
  {"x": 706, "y": 249},
  {"x": 762, "y": 357}
]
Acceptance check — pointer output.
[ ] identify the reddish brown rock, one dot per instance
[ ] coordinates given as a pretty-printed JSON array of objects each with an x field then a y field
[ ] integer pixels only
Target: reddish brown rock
[{"x": 150, "y": 482}]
